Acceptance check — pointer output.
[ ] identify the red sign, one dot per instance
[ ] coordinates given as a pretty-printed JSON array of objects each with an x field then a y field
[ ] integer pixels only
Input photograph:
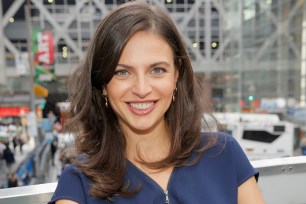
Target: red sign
[{"x": 13, "y": 111}]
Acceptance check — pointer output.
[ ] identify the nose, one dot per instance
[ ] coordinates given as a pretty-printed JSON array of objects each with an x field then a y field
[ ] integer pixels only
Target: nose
[{"x": 142, "y": 86}]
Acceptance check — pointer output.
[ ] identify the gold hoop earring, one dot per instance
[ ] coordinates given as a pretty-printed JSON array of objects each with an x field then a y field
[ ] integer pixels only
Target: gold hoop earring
[
  {"x": 173, "y": 96},
  {"x": 106, "y": 100}
]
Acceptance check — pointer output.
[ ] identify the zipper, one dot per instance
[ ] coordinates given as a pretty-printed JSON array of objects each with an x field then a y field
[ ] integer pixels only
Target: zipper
[
  {"x": 166, "y": 196},
  {"x": 166, "y": 192}
]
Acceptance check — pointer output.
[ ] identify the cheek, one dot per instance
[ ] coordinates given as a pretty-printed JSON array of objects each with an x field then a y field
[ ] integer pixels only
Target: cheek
[
  {"x": 167, "y": 89},
  {"x": 116, "y": 90}
]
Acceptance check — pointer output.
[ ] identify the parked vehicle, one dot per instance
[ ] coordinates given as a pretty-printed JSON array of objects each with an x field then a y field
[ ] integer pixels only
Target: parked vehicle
[{"x": 261, "y": 136}]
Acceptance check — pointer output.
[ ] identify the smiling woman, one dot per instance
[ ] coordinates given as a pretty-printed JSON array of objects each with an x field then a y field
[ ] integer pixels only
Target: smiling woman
[
  {"x": 136, "y": 110},
  {"x": 142, "y": 88}
]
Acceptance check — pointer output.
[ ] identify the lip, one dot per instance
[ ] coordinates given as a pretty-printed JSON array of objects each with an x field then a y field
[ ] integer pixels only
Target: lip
[{"x": 142, "y": 112}]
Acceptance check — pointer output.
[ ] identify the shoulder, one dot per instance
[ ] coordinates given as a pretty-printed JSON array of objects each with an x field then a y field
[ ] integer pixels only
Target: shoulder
[
  {"x": 220, "y": 135},
  {"x": 224, "y": 149},
  {"x": 72, "y": 185},
  {"x": 228, "y": 153},
  {"x": 71, "y": 172},
  {"x": 220, "y": 142}
]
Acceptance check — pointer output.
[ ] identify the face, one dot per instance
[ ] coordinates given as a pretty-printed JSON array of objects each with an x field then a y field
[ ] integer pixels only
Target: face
[{"x": 141, "y": 90}]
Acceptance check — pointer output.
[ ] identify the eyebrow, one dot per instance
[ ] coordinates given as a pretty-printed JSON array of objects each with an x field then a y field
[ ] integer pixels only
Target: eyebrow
[{"x": 151, "y": 65}]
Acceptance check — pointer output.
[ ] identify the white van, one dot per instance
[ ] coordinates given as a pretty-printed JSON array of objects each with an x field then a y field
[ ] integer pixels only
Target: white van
[{"x": 261, "y": 136}]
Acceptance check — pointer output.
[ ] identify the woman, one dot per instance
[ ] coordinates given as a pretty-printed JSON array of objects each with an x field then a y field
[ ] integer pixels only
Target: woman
[{"x": 136, "y": 111}]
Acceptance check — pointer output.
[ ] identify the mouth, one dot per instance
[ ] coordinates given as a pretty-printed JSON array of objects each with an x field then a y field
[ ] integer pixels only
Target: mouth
[{"x": 142, "y": 106}]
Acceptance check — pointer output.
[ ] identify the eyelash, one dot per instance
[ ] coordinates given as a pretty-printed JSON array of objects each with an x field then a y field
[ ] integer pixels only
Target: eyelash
[
  {"x": 123, "y": 72},
  {"x": 117, "y": 72},
  {"x": 160, "y": 69}
]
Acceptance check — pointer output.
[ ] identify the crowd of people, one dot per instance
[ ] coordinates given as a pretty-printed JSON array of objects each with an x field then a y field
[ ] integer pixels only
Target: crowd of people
[
  {"x": 13, "y": 147},
  {"x": 52, "y": 128},
  {"x": 8, "y": 151}
]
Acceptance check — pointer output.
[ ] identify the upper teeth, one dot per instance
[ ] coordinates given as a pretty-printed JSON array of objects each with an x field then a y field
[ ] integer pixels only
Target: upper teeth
[{"x": 142, "y": 105}]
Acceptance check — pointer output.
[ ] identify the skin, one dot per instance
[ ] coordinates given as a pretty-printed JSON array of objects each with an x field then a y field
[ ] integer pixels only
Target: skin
[
  {"x": 140, "y": 93},
  {"x": 249, "y": 193},
  {"x": 145, "y": 73},
  {"x": 66, "y": 202}
]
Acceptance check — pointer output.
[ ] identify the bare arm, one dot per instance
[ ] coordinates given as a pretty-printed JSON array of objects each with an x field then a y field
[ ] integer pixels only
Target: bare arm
[
  {"x": 249, "y": 193},
  {"x": 65, "y": 202}
]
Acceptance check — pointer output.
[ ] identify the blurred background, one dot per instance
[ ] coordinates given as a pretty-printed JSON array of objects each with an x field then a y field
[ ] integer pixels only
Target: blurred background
[{"x": 248, "y": 54}]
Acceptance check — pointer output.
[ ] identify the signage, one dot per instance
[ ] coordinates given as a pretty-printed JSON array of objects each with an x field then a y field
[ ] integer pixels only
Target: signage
[
  {"x": 43, "y": 48},
  {"x": 13, "y": 111}
]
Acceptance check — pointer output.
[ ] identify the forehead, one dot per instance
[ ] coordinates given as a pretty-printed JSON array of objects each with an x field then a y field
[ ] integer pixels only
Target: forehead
[{"x": 145, "y": 45}]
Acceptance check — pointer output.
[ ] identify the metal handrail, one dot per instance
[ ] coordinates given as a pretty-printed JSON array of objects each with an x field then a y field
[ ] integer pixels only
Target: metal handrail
[
  {"x": 38, "y": 194},
  {"x": 282, "y": 181}
]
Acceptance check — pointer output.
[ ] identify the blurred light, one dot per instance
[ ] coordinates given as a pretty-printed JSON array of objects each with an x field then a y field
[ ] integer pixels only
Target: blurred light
[
  {"x": 64, "y": 52},
  {"x": 194, "y": 44},
  {"x": 269, "y": 1},
  {"x": 42, "y": 104},
  {"x": 50, "y": 1},
  {"x": 256, "y": 103},
  {"x": 242, "y": 103},
  {"x": 169, "y": 1},
  {"x": 214, "y": 44},
  {"x": 281, "y": 102},
  {"x": 251, "y": 98},
  {"x": 11, "y": 20},
  {"x": 22, "y": 112}
]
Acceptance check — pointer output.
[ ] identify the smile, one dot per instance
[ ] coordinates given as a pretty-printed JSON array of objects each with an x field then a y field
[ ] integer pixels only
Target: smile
[{"x": 142, "y": 106}]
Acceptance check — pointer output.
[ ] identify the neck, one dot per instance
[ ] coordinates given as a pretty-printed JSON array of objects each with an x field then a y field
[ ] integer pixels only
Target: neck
[{"x": 151, "y": 146}]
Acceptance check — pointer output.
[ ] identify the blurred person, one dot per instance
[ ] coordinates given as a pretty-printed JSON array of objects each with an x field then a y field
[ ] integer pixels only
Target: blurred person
[
  {"x": 2, "y": 148},
  {"x": 20, "y": 143},
  {"x": 137, "y": 110},
  {"x": 13, "y": 180},
  {"x": 54, "y": 146},
  {"x": 26, "y": 178},
  {"x": 2, "y": 161},
  {"x": 15, "y": 142},
  {"x": 9, "y": 157},
  {"x": 52, "y": 118}
]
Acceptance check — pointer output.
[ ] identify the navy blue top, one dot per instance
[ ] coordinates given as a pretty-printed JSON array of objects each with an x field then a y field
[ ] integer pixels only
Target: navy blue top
[{"x": 213, "y": 180}]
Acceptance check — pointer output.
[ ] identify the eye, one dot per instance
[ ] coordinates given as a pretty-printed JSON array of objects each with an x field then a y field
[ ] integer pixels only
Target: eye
[
  {"x": 158, "y": 70},
  {"x": 121, "y": 72}
]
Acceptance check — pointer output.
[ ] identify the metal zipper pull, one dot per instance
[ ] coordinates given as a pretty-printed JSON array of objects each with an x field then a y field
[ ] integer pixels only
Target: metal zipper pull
[{"x": 167, "y": 197}]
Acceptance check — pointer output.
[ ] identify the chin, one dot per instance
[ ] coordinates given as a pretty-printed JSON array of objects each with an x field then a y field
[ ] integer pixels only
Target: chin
[{"x": 142, "y": 129}]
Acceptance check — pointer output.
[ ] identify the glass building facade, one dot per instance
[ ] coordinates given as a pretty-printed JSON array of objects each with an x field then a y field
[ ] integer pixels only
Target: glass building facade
[{"x": 249, "y": 54}]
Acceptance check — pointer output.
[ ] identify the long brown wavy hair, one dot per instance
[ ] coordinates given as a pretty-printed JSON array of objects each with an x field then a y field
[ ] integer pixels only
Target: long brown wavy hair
[{"x": 99, "y": 147}]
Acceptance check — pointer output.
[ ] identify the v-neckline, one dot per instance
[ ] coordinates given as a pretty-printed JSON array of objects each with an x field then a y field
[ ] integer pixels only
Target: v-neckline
[{"x": 151, "y": 180}]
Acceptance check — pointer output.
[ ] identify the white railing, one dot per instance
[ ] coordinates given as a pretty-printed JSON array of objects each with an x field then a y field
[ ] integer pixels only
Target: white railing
[
  {"x": 282, "y": 181},
  {"x": 34, "y": 194}
]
